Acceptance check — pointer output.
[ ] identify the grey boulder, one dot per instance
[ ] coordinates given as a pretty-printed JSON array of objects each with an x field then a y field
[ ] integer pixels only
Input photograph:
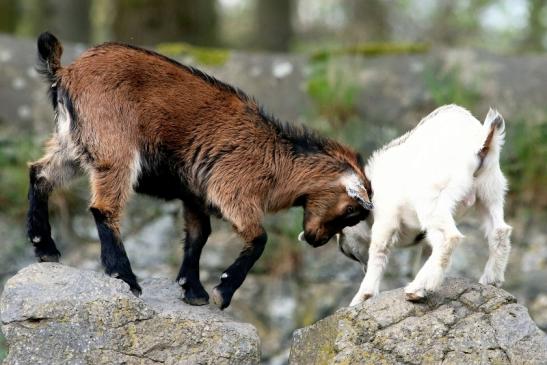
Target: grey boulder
[
  {"x": 463, "y": 323},
  {"x": 55, "y": 314}
]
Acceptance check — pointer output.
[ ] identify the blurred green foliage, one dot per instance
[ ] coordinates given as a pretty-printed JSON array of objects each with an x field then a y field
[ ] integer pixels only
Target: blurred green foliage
[
  {"x": 446, "y": 87},
  {"x": 524, "y": 161},
  {"x": 14, "y": 155},
  {"x": 332, "y": 88},
  {"x": 282, "y": 252}
]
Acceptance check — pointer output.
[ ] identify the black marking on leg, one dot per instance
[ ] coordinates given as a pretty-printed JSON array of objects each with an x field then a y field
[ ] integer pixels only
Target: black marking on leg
[
  {"x": 234, "y": 276},
  {"x": 113, "y": 255},
  {"x": 38, "y": 227},
  {"x": 198, "y": 229}
]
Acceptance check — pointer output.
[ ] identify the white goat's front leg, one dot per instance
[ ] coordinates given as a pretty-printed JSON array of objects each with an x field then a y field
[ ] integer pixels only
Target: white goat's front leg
[
  {"x": 498, "y": 233},
  {"x": 382, "y": 237},
  {"x": 431, "y": 275}
]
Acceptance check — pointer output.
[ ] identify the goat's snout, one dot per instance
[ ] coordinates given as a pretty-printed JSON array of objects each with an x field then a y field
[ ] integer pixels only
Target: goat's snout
[{"x": 312, "y": 239}]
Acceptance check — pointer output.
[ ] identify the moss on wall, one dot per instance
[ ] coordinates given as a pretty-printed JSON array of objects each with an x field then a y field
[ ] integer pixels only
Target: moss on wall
[
  {"x": 204, "y": 56},
  {"x": 371, "y": 49}
]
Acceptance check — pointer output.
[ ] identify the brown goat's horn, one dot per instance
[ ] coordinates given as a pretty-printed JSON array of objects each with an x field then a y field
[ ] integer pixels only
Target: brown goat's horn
[{"x": 357, "y": 191}]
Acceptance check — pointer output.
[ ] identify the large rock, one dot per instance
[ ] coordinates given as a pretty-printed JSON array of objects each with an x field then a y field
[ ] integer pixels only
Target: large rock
[
  {"x": 463, "y": 323},
  {"x": 55, "y": 314}
]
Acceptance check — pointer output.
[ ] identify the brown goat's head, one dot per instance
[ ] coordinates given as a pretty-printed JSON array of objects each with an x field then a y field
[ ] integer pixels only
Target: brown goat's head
[{"x": 327, "y": 211}]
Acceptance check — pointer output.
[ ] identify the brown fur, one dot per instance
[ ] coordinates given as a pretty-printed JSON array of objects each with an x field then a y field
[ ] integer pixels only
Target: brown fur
[
  {"x": 154, "y": 104},
  {"x": 139, "y": 119}
]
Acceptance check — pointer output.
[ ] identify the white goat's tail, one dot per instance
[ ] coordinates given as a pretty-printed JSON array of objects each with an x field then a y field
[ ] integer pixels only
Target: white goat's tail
[{"x": 494, "y": 130}]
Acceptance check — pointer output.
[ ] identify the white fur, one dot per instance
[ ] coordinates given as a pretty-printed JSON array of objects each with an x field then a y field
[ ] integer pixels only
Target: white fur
[
  {"x": 59, "y": 169},
  {"x": 136, "y": 168},
  {"x": 420, "y": 180},
  {"x": 63, "y": 121}
]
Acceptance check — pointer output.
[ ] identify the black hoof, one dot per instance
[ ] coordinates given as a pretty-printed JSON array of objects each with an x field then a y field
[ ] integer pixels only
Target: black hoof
[
  {"x": 194, "y": 293},
  {"x": 49, "y": 258},
  {"x": 222, "y": 297},
  {"x": 415, "y": 298},
  {"x": 196, "y": 296},
  {"x": 136, "y": 291},
  {"x": 195, "y": 300},
  {"x": 134, "y": 287},
  {"x": 45, "y": 250},
  {"x": 130, "y": 279}
]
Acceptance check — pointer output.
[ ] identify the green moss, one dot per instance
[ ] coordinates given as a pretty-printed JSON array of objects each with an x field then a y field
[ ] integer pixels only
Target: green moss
[
  {"x": 3, "y": 347},
  {"x": 204, "y": 56},
  {"x": 371, "y": 49}
]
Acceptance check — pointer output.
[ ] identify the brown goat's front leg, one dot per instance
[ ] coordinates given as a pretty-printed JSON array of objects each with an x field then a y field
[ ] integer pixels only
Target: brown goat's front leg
[
  {"x": 198, "y": 229},
  {"x": 234, "y": 276},
  {"x": 110, "y": 188}
]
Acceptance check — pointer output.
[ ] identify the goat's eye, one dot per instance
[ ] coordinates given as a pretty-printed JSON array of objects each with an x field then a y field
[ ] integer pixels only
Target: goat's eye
[{"x": 350, "y": 209}]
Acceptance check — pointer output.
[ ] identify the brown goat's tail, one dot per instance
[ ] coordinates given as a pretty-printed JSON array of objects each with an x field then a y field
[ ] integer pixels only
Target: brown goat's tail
[{"x": 49, "y": 56}]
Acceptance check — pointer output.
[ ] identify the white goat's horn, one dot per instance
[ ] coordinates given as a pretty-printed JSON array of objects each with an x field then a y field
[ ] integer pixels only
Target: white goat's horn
[{"x": 301, "y": 237}]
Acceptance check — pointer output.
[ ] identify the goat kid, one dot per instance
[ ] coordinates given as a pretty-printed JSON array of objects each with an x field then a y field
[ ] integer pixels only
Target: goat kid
[
  {"x": 136, "y": 120},
  {"x": 419, "y": 182}
]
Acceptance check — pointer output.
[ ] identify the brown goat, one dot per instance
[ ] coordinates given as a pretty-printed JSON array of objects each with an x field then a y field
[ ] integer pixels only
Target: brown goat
[{"x": 136, "y": 120}]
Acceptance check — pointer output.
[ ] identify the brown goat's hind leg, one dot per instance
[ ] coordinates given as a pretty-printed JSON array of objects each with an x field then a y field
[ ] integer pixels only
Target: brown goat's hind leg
[
  {"x": 110, "y": 188},
  {"x": 234, "y": 276},
  {"x": 53, "y": 170},
  {"x": 198, "y": 229},
  {"x": 38, "y": 227}
]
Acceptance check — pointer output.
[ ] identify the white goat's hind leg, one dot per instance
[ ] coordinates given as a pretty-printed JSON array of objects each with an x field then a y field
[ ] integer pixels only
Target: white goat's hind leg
[
  {"x": 498, "y": 234},
  {"x": 443, "y": 242},
  {"x": 382, "y": 238}
]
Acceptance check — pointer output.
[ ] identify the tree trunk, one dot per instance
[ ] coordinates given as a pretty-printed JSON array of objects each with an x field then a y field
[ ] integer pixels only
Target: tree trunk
[{"x": 274, "y": 29}]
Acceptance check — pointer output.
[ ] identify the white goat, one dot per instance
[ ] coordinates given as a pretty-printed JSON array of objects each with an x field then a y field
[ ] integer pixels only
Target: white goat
[{"x": 419, "y": 181}]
